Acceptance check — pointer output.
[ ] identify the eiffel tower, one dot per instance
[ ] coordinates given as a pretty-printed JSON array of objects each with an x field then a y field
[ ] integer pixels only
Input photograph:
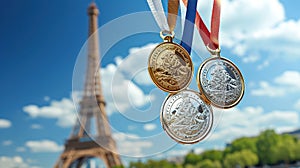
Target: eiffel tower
[{"x": 81, "y": 146}]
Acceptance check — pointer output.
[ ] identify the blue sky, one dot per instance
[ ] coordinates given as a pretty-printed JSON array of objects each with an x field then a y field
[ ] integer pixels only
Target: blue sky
[{"x": 40, "y": 52}]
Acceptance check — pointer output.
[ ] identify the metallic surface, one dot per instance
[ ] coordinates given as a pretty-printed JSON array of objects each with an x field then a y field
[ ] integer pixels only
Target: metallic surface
[
  {"x": 185, "y": 117},
  {"x": 170, "y": 67},
  {"x": 221, "y": 82}
]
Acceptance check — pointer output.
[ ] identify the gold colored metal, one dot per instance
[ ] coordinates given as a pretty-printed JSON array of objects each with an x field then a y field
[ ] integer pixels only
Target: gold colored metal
[
  {"x": 170, "y": 66},
  {"x": 220, "y": 82},
  {"x": 167, "y": 34}
]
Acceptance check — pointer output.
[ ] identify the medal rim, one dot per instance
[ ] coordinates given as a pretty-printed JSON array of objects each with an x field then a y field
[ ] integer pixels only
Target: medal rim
[
  {"x": 153, "y": 76},
  {"x": 205, "y": 95},
  {"x": 208, "y": 130}
]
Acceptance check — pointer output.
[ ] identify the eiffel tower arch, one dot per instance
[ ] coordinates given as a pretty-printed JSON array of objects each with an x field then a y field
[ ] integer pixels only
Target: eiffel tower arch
[{"x": 83, "y": 142}]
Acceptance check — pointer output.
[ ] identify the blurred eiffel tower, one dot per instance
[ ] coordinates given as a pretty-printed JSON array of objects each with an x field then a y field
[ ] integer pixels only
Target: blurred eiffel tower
[{"x": 83, "y": 143}]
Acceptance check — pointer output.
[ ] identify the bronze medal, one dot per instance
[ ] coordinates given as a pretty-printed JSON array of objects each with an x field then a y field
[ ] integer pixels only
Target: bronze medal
[{"x": 170, "y": 66}]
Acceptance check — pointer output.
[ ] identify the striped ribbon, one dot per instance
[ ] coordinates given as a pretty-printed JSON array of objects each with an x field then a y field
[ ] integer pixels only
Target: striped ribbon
[
  {"x": 211, "y": 39},
  {"x": 188, "y": 31},
  {"x": 165, "y": 25}
]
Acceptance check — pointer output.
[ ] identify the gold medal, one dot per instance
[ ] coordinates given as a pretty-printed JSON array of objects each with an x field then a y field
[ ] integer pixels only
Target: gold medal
[
  {"x": 170, "y": 66},
  {"x": 220, "y": 81}
]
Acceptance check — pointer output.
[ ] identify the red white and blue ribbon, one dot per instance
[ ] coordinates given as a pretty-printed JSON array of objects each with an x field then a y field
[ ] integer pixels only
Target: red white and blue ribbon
[
  {"x": 210, "y": 39},
  {"x": 188, "y": 31}
]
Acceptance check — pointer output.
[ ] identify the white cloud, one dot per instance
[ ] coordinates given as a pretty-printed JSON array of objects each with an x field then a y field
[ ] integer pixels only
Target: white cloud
[
  {"x": 265, "y": 89},
  {"x": 250, "y": 121},
  {"x": 263, "y": 65},
  {"x": 136, "y": 63},
  {"x": 287, "y": 82},
  {"x": 13, "y": 162},
  {"x": 297, "y": 104},
  {"x": 119, "y": 92},
  {"x": 21, "y": 149},
  {"x": 252, "y": 17},
  {"x": 149, "y": 127},
  {"x": 142, "y": 77},
  {"x": 251, "y": 58},
  {"x": 177, "y": 152},
  {"x": 43, "y": 146},
  {"x": 259, "y": 26},
  {"x": 120, "y": 84},
  {"x": 62, "y": 110},
  {"x": 131, "y": 144},
  {"x": 7, "y": 143},
  {"x": 283, "y": 39},
  {"x": 4, "y": 123},
  {"x": 289, "y": 78},
  {"x": 36, "y": 126},
  {"x": 123, "y": 80},
  {"x": 199, "y": 150}
]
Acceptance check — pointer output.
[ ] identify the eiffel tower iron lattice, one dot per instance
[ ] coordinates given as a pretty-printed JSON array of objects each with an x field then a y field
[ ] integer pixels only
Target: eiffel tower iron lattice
[{"x": 81, "y": 145}]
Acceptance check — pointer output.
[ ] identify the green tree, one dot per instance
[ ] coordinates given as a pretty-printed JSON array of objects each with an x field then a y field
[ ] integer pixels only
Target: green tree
[
  {"x": 213, "y": 155},
  {"x": 297, "y": 151},
  {"x": 119, "y": 166},
  {"x": 240, "y": 159},
  {"x": 206, "y": 163},
  {"x": 232, "y": 160},
  {"x": 243, "y": 143},
  {"x": 192, "y": 158},
  {"x": 190, "y": 166},
  {"x": 267, "y": 148},
  {"x": 249, "y": 158},
  {"x": 137, "y": 164},
  {"x": 266, "y": 145},
  {"x": 159, "y": 163},
  {"x": 285, "y": 149},
  {"x": 154, "y": 164}
]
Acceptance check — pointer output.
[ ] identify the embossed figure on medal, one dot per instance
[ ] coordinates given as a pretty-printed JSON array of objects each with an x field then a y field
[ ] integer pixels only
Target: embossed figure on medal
[
  {"x": 186, "y": 118},
  {"x": 220, "y": 81},
  {"x": 170, "y": 66}
]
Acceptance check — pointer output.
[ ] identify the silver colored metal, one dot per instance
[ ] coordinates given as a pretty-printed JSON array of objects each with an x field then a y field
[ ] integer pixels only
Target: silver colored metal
[
  {"x": 185, "y": 117},
  {"x": 221, "y": 82},
  {"x": 215, "y": 52}
]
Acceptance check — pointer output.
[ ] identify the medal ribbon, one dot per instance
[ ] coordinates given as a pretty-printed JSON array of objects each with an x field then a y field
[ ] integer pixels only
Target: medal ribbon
[
  {"x": 211, "y": 39},
  {"x": 188, "y": 31},
  {"x": 156, "y": 7},
  {"x": 173, "y": 6},
  {"x": 159, "y": 14}
]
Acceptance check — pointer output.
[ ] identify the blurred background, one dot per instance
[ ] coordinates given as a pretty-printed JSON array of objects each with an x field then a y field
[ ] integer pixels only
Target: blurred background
[{"x": 41, "y": 43}]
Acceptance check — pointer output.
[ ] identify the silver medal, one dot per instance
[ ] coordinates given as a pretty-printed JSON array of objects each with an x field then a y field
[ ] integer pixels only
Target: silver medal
[
  {"x": 185, "y": 117},
  {"x": 221, "y": 82}
]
